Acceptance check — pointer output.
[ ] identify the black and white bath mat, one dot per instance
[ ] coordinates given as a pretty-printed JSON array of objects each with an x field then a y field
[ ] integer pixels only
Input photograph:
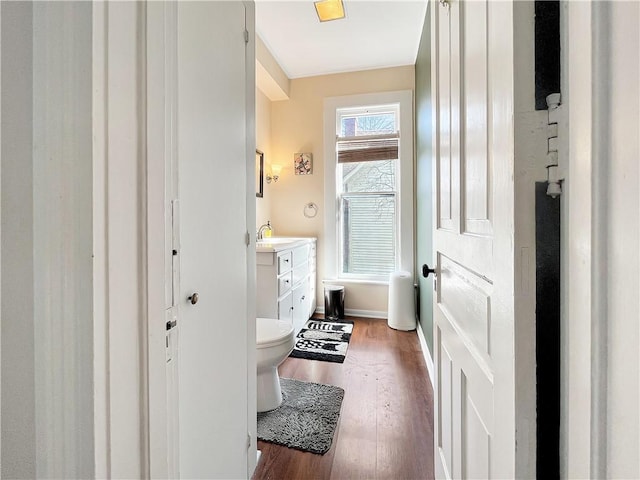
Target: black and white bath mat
[
  {"x": 307, "y": 418},
  {"x": 323, "y": 340}
]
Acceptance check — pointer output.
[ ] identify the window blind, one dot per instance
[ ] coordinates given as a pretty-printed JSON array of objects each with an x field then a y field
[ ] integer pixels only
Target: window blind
[{"x": 367, "y": 148}]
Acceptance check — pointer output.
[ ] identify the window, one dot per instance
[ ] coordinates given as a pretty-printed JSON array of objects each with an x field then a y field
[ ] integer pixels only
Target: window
[
  {"x": 369, "y": 220},
  {"x": 367, "y": 160}
]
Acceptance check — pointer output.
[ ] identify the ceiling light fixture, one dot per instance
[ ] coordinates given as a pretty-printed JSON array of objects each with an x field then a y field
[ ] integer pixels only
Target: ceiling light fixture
[{"x": 329, "y": 10}]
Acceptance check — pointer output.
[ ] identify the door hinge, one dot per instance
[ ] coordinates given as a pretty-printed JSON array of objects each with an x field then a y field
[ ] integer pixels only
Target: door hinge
[
  {"x": 248, "y": 441},
  {"x": 246, "y": 36},
  {"x": 247, "y": 239}
]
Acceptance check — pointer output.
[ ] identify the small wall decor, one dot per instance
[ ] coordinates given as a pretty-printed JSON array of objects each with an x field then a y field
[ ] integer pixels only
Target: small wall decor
[{"x": 303, "y": 163}]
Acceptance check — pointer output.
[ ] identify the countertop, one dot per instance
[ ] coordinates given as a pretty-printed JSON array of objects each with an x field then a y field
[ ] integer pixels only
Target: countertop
[{"x": 276, "y": 244}]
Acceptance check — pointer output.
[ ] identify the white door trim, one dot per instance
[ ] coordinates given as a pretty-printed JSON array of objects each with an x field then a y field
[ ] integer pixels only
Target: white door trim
[
  {"x": 598, "y": 53},
  {"x": 159, "y": 84},
  {"x": 600, "y": 147},
  {"x": 577, "y": 256},
  {"x": 121, "y": 287},
  {"x": 250, "y": 94},
  {"x": 102, "y": 421}
]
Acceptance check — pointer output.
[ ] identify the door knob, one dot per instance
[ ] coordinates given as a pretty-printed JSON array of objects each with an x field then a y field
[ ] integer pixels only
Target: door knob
[
  {"x": 426, "y": 271},
  {"x": 193, "y": 298}
]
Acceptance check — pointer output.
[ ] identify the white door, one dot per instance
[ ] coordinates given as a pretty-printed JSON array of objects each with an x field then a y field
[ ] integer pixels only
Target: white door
[
  {"x": 473, "y": 309},
  {"x": 211, "y": 139}
]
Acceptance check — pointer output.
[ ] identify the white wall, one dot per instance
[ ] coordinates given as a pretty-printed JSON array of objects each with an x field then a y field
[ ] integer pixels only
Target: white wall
[
  {"x": 62, "y": 173},
  {"x": 18, "y": 368},
  {"x": 47, "y": 376}
]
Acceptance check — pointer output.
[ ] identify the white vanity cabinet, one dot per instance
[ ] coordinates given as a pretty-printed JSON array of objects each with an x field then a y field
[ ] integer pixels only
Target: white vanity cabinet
[
  {"x": 312, "y": 278},
  {"x": 286, "y": 279}
]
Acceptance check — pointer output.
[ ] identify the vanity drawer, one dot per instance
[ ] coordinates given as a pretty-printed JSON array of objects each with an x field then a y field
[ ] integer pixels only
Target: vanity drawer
[
  {"x": 284, "y": 283},
  {"x": 284, "y": 262},
  {"x": 300, "y": 273},
  {"x": 301, "y": 255},
  {"x": 285, "y": 308},
  {"x": 312, "y": 257}
]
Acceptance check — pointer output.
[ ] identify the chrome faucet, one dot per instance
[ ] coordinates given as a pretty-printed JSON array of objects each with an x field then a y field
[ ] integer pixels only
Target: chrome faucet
[{"x": 266, "y": 226}]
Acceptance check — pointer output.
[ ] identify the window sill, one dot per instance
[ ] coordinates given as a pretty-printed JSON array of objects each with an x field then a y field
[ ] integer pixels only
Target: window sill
[{"x": 354, "y": 281}]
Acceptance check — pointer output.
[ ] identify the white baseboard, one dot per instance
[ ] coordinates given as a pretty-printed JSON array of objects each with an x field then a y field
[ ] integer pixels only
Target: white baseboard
[
  {"x": 359, "y": 313},
  {"x": 426, "y": 353}
]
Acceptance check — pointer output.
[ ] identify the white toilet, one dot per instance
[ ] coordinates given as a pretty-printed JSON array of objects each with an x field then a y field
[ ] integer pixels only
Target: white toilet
[{"x": 274, "y": 343}]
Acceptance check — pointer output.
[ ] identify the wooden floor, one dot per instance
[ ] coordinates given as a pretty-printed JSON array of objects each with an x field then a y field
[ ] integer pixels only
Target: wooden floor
[{"x": 385, "y": 429}]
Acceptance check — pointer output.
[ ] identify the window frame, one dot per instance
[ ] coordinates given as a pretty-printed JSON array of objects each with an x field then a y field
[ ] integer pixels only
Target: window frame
[
  {"x": 404, "y": 181},
  {"x": 355, "y": 112}
]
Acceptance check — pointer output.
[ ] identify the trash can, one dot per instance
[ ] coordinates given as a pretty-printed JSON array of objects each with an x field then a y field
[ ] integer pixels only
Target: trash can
[
  {"x": 401, "y": 314},
  {"x": 333, "y": 302}
]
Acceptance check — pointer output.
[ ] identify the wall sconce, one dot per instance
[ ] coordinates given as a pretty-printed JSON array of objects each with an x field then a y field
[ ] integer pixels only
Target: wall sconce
[{"x": 275, "y": 173}]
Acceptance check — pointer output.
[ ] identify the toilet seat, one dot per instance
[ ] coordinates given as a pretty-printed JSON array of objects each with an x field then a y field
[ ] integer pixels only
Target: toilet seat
[{"x": 271, "y": 332}]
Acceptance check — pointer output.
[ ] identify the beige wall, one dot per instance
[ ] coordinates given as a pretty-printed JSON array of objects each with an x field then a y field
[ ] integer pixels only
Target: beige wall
[
  {"x": 263, "y": 143},
  {"x": 297, "y": 126}
]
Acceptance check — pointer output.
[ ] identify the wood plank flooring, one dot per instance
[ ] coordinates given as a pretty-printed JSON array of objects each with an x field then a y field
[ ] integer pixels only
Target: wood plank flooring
[{"x": 385, "y": 429}]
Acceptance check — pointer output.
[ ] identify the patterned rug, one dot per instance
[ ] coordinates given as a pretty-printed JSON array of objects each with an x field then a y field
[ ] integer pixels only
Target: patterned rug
[
  {"x": 306, "y": 419},
  {"x": 323, "y": 340}
]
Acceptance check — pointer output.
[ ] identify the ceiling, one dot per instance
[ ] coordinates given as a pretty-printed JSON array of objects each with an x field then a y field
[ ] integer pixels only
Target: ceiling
[{"x": 373, "y": 34}]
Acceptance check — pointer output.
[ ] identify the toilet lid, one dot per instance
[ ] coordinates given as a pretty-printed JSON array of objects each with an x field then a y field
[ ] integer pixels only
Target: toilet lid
[{"x": 270, "y": 331}]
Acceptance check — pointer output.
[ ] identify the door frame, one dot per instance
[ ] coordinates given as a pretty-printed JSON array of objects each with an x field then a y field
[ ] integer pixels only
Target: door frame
[
  {"x": 147, "y": 23},
  {"x": 159, "y": 180},
  {"x": 121, "y": 299},
  {"x": 586, "y": 426},
  {"x": 250, "y": 99},
  {"x": 576, "y": 380}
]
